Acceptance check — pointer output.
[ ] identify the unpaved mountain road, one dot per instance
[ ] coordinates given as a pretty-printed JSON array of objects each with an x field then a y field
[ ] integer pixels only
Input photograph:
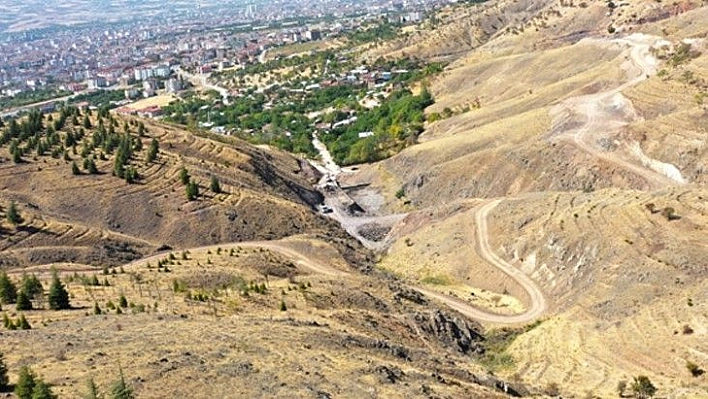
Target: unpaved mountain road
[{"x": 607, "y": 112}]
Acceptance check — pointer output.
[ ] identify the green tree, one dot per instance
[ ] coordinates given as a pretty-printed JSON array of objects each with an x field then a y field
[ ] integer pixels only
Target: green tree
[
  {"x": 120, "y": 389},
  {"x": 58, "y": 295},
  {"x": 6, "y": 321},
  {"x": 25, "y": 384},
  {"x": 4, "y": 380},
  {"x": 87, "y": 122},
  {"x": 131, "y": 175},
  {"x": 192, "y": 191},
  {"x": 643, "y": 387},
  {"x": 153, "y": 150},
  {"x": 17, "y": 155},
  {"x": 32, "y": 286},
  {"x": 8, "y": 290},
  {"x": 92, "y": 391},
  {"x": 13, "y": 215},
  {"x": 184, "y": 176},
  {"x": 23, "y": 324},
  {"x": 41, "y": 390},
  {"x": 215, "y": 185},
  {"x": 23, "y": 301},
  {"x": 122, "y": 301},
  {"x": 75, "y": 169},
  {"x": 90, "y": 166}
]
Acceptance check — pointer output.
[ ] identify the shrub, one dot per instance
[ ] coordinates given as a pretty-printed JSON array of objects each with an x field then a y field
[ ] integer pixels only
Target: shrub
[
  {"x": 13, "y": 215},
  {"x": 694, "y": 369},
  {"x": 643, "y": 387},
  {"x": 122, "y": 301}
]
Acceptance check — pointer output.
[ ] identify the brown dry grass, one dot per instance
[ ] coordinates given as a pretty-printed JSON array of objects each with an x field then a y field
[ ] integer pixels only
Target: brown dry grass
[{"x": 333, "y": 337}]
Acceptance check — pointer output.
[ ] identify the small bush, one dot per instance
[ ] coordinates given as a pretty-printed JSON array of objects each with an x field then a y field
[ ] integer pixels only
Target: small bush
[{"x": 694, "y": 369}]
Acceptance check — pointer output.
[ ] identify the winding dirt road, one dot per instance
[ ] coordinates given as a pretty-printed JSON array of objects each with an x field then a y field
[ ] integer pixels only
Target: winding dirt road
[{"x": 607, "y": 112}]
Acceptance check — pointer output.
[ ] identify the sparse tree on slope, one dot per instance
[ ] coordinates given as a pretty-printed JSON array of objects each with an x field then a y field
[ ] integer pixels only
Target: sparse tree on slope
[
  {"x": 4, "y": 380},
  {"x": 215, "y": 185},
  {"x": 152, "y": 151},
  {"x": 120, "y": 389},
  {"x": 92, "y": 391},
  {"x": 13, "y": 215},
  {"x": 8, "y": 290},
  {"x": 642, "y": 387},
  {"x": 58, "y": 295},
  {"x": 25, "y": 384},
  {"x": 23, "y": 301},
  {"x": 41, "y": 390}
]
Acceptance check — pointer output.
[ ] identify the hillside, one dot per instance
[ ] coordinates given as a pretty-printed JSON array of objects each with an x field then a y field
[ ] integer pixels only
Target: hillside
[
  {"x": 278, "y": 318},
  {"x": 99, "y": 218},
  {"x": 566, "y": 158},
  {"x": 281, "y": 300},
  {"x": 545, "y": 235}
]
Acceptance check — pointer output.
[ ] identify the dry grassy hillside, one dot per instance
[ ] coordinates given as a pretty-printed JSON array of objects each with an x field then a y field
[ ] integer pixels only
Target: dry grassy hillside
[
  {"x": 624, "y": 271},
  {"x": 590, "y": 142},
  {"x": 502, "y": 138},
  {"x": 101, "y": 219},
  {"x": 283, "y": 319}
]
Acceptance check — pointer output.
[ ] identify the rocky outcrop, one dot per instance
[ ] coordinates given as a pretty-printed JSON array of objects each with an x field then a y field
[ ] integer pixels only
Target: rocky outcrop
[{"x": 452, "y": 331}]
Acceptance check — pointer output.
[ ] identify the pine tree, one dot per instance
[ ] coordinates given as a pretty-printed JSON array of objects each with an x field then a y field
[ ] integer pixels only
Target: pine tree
[
  {"x": 192, "y": 190},
  {"x": 17, "y": 155},
  {"x": 25, "y": 384},
  {"x": 184, "y": 176},
  {"x": 92, "y": 391},
  {"x": 58, "y": 296},
  {"x": 41, "y": 390},
  {"x": 6, "y": 322},
  {"x": 120, "y": 389},
  {"x": 32, "y": 286},
  {"x": 643, "y": 387},
  {"x": 90, "y": 166},
  {"x": 23, "y": 301},
  {"x": 131, "y": 175},
  {"x": 4, "y": 380},
  {"x": 87, "y": 122},
  {"x": 75, "y": 169},
  {"x": 13, "y": 215},
  {"x": 97, "y": 308},
  {"x": 23, "y": 324},
  {"x": 122, "y": 301},
  {"x": 283, "y": 307},
  {"x": 215, "y": 185},
  {"x": 8, "y": 290},
  {"x": 152, "y": 151}
]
